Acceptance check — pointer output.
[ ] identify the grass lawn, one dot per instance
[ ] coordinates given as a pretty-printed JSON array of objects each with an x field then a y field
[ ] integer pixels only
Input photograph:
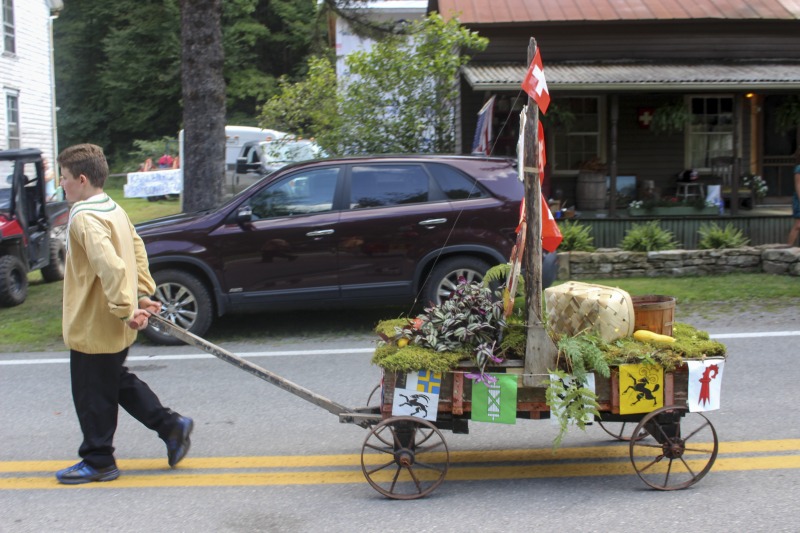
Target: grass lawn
[{"x": 36, "y": 324}]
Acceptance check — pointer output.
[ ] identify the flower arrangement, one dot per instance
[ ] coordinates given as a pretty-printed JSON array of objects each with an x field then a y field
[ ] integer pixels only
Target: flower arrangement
[
  {"x": 469, "y": 323},
  {"x": 650, "y": 203},
  {"x": 756, "y": 183}
]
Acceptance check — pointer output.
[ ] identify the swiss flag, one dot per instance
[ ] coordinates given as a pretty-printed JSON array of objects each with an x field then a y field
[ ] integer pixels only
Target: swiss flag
[
  {"x": 534, "y": 83},
  {"x": 542, "y": 153}
]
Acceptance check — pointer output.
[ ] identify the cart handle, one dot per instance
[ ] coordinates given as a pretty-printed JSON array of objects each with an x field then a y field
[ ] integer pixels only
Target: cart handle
[{"x": 220, "y": 353}]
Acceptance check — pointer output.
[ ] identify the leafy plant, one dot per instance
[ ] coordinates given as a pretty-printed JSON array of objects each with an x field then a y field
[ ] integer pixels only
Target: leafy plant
[
  {"x": 788, "y": 114},
  {"x": 577, "y": 237},
  {"x": 671, "y": 117},
  {"x": 570, "y": 401},
  {"x": 648, "y": 237},
  {"x": 583, "y": 354},
  {"x": 470, "y": 321},
  {"x": 496, "y": 279},
  {"x": 712, "y": 236}
]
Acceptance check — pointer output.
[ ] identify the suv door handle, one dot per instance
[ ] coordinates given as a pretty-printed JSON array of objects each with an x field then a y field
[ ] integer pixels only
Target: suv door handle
[
  {"x": 319, "y": 233},
  {"x": 432, "y": 221}
]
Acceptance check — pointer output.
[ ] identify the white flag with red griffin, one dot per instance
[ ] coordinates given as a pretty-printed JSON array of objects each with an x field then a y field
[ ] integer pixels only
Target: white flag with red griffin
[{"x": 535, "y": 83}]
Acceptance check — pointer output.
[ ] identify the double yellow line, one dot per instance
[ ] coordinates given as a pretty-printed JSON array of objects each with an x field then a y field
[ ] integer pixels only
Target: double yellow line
[{"x": 338, "y": 469}]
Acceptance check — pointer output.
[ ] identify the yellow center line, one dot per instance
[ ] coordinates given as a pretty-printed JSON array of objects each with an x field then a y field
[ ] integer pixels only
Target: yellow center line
[
  {"x": 617, "y": 450},
  {"x": 139, "y": 473},
  {"x": 171, "y": 479}
]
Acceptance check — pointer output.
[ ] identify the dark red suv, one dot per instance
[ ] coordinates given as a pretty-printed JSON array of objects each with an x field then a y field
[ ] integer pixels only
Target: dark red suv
[{"x": 361, "y": 231}]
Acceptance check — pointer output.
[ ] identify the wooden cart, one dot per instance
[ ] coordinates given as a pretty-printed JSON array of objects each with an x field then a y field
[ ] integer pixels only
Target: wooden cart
[
  {"x": 670, "y": 448},
  {"x": 407, "y": 457}
]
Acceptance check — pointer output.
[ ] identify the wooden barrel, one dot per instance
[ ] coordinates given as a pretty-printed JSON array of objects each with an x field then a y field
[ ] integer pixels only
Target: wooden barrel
[
  {"x": 654, "y": 313},
  {"x": 590, "y": 191}
]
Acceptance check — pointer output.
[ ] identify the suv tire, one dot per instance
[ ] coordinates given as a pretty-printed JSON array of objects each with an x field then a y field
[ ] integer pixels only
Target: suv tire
[
  {"x": 13, "y": 281},
  {"x": 54, "y": 271},
  {"x": 185, "y": 302},
  {"x": 443, "y": 279}
]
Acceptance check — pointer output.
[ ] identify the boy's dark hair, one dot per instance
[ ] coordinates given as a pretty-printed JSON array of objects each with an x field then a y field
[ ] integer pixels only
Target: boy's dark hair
[{"x": 86, "y": 159}]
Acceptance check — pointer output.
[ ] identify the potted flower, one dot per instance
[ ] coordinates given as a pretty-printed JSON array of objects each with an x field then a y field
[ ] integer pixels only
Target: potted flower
[
  {"x": 756, "y": 184},
  {"x": 665, "y": 207}
]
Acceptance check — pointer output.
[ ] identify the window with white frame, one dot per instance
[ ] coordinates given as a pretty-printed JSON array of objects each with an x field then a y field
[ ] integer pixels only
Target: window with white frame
[
  {"x": 710, "y": 132},
  {"x": 12, "y": 120},
  {"x": 577, "y": 137},
  {"x": 9, "y": 35}
]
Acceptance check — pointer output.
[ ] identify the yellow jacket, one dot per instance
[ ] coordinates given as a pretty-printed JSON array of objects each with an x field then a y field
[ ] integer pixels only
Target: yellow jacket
[{"x": 106, "y": 273}]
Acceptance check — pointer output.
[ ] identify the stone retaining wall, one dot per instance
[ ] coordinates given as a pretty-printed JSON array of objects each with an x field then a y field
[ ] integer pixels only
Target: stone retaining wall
[{"x": 616, "y": 263}]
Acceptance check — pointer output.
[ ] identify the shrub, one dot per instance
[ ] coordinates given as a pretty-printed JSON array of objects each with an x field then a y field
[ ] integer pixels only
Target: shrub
[
  {"x": 648, "y": 237},
  {"x": 577, "y": 237},
  {"x": 713, "y": 236}
]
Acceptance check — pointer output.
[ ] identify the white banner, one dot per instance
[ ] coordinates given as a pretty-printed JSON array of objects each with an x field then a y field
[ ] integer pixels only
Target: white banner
[
  {"x": 555, "y": 413},
  {"x": 410, "y": 402},
  {"x": 705, "y": 384}
]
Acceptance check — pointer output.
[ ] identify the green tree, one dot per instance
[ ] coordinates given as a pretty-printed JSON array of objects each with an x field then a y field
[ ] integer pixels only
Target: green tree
[
  {"x": 308, "y": 107},
  {"x": 118, "y": 64},
  {"x": 398, "y": 97}
]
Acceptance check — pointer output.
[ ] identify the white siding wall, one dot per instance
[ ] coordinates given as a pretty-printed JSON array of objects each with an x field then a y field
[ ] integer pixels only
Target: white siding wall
[{"x": 28, "y": 73}]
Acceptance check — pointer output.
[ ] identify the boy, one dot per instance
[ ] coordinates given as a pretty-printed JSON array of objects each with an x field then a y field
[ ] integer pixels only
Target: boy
[{"x": 107, "y": 284}]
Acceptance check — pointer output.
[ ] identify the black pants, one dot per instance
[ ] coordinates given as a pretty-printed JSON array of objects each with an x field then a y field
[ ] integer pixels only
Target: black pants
[{"x": 100, "y": 384}]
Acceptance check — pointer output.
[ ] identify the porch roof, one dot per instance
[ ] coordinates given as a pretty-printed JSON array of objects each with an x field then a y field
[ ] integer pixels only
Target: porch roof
[
  {"x": 473, "y": 12},
  {"x": 641, "y": 76}
]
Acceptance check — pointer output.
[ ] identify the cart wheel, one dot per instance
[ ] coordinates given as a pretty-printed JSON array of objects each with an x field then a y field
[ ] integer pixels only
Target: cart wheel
[
  {"x": 687, "y": 447},
  {"x": 405, "y": 458},
  {"x": 617, "y": 430}
]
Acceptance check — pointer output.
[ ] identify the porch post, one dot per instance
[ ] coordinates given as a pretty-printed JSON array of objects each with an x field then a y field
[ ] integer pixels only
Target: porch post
[
  {"x": 736, "y": 166},
  {"x": 612, "y": 157}
]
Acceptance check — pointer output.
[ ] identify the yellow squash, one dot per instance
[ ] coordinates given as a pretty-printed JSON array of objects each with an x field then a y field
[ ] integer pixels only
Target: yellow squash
[{"x": 642, "y": 335}]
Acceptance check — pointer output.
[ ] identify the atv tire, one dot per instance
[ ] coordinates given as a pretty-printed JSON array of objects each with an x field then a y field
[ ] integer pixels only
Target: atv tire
[
  {"x": 54, "y": 271},
  {"x": 13, "y": 281}
]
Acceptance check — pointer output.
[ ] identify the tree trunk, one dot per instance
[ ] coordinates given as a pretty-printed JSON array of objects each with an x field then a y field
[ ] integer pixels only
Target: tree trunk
[{"x": 203, "y": 104}]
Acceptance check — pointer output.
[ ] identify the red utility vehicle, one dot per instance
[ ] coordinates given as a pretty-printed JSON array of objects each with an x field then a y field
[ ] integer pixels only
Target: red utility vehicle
[{"x": 32, "y": 229}]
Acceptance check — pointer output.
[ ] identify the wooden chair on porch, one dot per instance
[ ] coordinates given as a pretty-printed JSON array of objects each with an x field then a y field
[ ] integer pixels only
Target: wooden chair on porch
[{"x": 722, "y": 170}]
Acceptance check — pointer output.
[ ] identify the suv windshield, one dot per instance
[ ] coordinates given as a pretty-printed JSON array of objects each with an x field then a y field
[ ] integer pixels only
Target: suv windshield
[{"x": 289, "y": 151}]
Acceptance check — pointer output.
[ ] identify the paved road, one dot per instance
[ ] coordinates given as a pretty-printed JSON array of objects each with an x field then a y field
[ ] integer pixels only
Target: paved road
[{"x": 263, "y": 460}]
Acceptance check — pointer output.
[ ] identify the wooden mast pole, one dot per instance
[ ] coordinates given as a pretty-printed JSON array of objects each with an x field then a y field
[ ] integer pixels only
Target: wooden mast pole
[{"x": 540, "y": 352}]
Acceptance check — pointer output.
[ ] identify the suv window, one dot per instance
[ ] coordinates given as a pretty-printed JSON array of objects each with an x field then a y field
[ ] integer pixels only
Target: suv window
[
  {"x": 454, "y": 184},
  {"x": 387, "y": 185},
  {"x": 299, "y": 194}
]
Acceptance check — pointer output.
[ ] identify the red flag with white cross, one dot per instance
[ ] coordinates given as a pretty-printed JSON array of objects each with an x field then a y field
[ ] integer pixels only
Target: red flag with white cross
[{"x": 535, "y": 83}]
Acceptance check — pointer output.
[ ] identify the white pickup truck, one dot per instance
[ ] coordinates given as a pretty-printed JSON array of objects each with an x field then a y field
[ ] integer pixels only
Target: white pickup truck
[{"x": 259, "y": 158}]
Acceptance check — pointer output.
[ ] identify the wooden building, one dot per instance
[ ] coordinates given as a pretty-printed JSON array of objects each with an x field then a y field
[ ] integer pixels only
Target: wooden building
[
  {"x": 715, "y": 74},
  {"x": 27, "y": 108}
]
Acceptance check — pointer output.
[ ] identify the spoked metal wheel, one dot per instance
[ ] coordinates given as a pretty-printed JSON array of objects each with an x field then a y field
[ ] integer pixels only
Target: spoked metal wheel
[
  {"x": 621, "y": 430},
  {"x": 685, "y": 450},
  {"x": 405, "y": 458}
]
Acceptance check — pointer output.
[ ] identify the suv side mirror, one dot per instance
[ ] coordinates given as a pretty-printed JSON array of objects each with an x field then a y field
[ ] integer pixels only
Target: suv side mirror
[{"x": 241, "y": 165}]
